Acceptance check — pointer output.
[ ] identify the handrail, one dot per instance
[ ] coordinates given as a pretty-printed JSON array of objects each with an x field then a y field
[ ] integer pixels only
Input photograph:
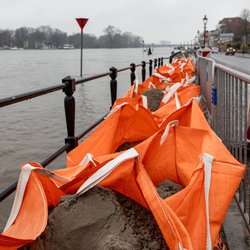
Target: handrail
[
  {"x": 28, "y": 95},
  {"x": 173, "y": 55},
  {"x": 240, "y": 75},
  {"x": 90, "y": 128},
  {"x": 9, "y": 190},
  {"x": 32, "y": 94}
]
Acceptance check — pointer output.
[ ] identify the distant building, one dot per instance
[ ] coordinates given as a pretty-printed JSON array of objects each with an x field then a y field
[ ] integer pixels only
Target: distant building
[
  {"x": 235, "y": 25},
  {"x": 214, "y": 38},
  {"x": 230, "y": 24},
  {"x": 230, "y": 31},
  {"x": 225, "y": 39}
]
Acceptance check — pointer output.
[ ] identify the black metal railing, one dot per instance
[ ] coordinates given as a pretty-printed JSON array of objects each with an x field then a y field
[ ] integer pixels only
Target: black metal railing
[{"x": 68, "y": 86}]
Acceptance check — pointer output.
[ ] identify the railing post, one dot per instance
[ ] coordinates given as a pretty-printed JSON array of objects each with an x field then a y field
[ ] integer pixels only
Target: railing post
[
  {"x": 69, "y": 106},
  {"x": 170, "y": 59},
  {"x": 155, "y": 62},
  {"x": 132, "y": 74},
  {"x": 113, "y": 85},
  {"x": 159, "y": 62},
  {"x": 143, "y": 71},
  {"x": 150, "y": 67}
]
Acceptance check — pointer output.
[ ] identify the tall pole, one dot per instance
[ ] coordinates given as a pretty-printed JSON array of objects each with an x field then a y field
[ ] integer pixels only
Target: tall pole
[
  {"x": 81, "y": 52},
  {"x": 81, "y": 22},
  {"x": 198, "y": 36},
  {"x": 246, "y": 21},
  {"x": 205, "y": 23},
  {"x": 204, "y": 35}
]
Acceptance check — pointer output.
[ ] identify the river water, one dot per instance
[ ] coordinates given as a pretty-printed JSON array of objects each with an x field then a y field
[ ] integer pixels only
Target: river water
[{"x": 33, "y": 130}]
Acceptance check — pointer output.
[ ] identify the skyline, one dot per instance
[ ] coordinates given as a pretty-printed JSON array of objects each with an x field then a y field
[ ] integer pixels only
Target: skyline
[{"x": 161, "y": 20}]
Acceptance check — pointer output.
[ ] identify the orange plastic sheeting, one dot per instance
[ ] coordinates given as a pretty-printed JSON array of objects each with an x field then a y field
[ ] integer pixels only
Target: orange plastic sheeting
[
  {"x": 32, "y": 217},
  {"x": 176, "y": 76},
  {"x": 181, "y": 217},
  {"x": 189, "y": 115},
  {"x": 166, "y": 153},
  {"x": 178, "y": 71},
  {"x": 189, "y": 68},
  {"x": 148, "y": 84},
  {"x": 184, "y": 96},
  {"x": 127, "y": 124},
  {"x": 42, "y": 191}
]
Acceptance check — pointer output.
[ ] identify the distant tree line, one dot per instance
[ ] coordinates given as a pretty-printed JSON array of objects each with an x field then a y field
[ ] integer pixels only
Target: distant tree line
[
  {"x": 245, "y": 15},
  {"x": 47, "y": 37}
]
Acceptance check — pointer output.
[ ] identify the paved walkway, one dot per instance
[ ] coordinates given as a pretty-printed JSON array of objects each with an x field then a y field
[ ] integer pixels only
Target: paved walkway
[
  {"x": 235, "y": 230},
  {"x": 235, "y": 233}
]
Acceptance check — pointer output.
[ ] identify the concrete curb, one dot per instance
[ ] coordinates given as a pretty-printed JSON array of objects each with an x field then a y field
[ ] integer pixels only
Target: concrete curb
[{"x": 243, "y": 55}]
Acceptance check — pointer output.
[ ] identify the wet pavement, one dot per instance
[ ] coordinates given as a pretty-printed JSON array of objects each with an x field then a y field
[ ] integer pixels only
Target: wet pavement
[{"x": 235, "y": 230}]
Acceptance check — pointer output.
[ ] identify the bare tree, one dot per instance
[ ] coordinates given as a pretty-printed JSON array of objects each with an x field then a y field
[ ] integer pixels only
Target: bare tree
[
  {"x": 6, "y": 38},
  {"x": 245, "y": 15},
  {"x": 111, "y": 33},
  {"x": 35, "y": 38},
  {"x": 20, "y": 37}
]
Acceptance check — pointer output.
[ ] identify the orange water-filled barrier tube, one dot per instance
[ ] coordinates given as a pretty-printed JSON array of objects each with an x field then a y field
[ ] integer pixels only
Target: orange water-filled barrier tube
[{"x": 173, "y": 143}]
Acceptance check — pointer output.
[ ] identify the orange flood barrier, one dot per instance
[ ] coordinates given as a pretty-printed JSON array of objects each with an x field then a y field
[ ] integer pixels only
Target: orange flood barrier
[{"x": 174, "y": 143}]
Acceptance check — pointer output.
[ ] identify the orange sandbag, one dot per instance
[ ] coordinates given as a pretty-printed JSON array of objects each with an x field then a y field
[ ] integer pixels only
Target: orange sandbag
[
  {"x": 189, "y": 68},
  {"x": 179, "y": 71},
  {"x": 138, "y": 89},
  {"x": 123, "y": 125},
  {"x": 173, "y": 73},
  {"x": 186, "y": 217},
  {"x": 181, "y": 98},
  {"x": 182, "y": 217},
  {"x": 32, "y": 217},
  {"x": 179, "y": 153}
]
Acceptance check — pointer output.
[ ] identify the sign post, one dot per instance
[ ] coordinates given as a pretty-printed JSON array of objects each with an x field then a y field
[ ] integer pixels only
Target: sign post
[{"x": 81, "y": 22}]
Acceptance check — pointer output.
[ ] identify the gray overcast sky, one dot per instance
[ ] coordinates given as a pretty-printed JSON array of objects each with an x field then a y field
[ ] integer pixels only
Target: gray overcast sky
[{"x": 153, "y": 20}]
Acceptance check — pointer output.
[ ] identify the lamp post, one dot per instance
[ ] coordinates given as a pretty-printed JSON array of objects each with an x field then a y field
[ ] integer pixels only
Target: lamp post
[
  {"x": 205, "y": 25},
  {"x": 198, "y": 37}
]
